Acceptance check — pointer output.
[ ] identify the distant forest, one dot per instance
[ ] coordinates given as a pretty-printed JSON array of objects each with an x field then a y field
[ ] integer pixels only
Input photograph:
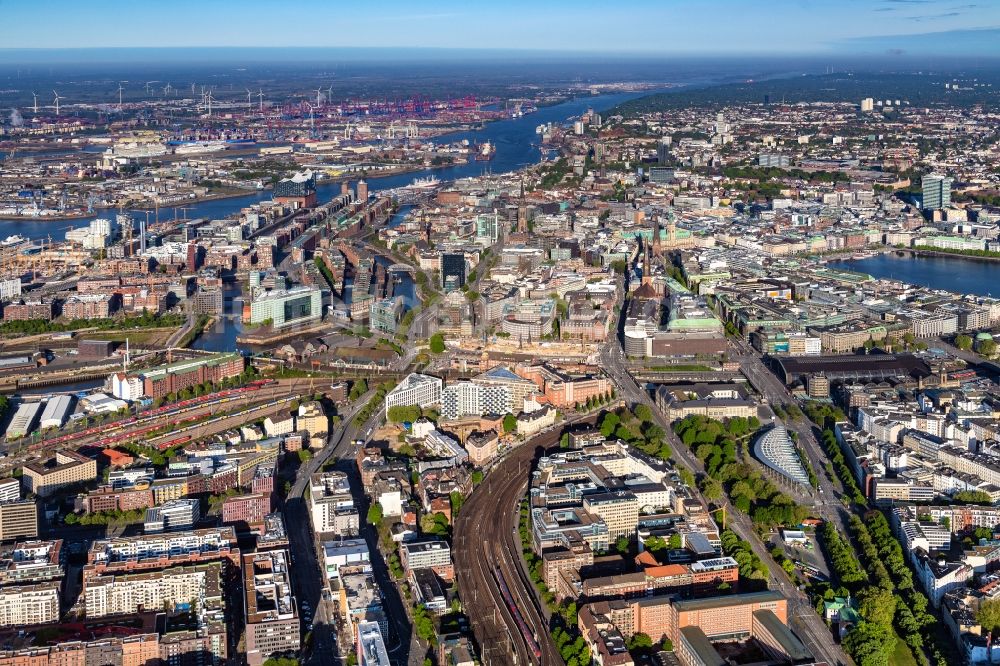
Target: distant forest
[{"x": 919, "y": 90}]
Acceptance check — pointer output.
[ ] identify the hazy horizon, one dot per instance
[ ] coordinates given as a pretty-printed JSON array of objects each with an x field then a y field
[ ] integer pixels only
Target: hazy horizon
[
  {"x": 878, "y": 52},
  {"x": 674, "y": 27}
]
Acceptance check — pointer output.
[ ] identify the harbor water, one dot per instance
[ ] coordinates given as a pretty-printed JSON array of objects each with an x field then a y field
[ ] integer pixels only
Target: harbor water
[{"x": 516, "y": 146}]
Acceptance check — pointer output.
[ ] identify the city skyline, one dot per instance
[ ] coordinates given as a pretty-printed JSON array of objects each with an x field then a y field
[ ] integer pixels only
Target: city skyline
[
  {"x": 893, "y": 27},
  {"x": 554, "y": 333}
]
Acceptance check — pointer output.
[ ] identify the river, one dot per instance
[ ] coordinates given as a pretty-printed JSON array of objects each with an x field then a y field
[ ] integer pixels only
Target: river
[
  {"x": 955, "y": 274},
  {"x": 515, "y": 141},
  {"x": 516, "y": 146}
]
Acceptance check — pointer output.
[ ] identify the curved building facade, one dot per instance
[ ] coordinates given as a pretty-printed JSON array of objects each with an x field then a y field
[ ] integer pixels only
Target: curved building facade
[{"x": 776, "y": 450}]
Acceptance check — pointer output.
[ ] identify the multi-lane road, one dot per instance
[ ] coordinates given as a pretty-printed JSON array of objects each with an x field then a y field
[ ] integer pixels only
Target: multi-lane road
[
  {"x": 306, "y": 550},
  {"x": 807, "y": 624},
  {"x": 340, "y": 452}
]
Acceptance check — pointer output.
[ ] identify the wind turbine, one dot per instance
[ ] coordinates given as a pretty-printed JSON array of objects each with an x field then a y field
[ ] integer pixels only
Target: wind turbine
[
  {"x": 260, "y": 96},
  {"x": 57, "y": 101},
  {"x": 310, "y": 115},
  {"x": 249, "y": 94},
  {"x": 120, "y": 89},
  {"x": 210, "y": 100},
  {"x": 329, "y": 93},
  {"x": 35, "y": 107},
  {"x": 319, "y": 97}
]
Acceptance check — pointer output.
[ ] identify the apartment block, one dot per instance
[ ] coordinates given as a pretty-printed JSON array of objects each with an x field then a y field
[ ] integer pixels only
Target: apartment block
[
  {"x": 158, "y": 551},
  {"x": 18, "y": 520},
  {"x": 331, "y": 505},
  {"x": 416, "y": 389},
  {"x": 112, "y": 594},
  {"x": 65, "y": 469},
  {"x": 272, "y": 622},
  {"x": 248, "y": 510},
  {"x": 25, "y": 605}
]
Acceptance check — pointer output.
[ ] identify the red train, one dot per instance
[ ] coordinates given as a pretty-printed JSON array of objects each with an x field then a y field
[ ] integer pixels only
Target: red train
[
  {"x": 163, "y": 446},
  {"x": 526, "y": 632},
  {"x": 151, "y": 414}
]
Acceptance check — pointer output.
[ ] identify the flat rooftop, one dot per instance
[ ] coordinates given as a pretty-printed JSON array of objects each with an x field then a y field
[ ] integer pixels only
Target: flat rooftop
[{"x": 869, "y": 366}]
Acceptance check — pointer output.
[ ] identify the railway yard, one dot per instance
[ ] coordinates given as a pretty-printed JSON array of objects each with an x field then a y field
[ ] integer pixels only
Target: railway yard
[{"x": 490, "y": 565}]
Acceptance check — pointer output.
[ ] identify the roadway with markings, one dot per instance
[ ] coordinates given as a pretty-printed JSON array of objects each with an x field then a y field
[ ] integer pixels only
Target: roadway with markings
[{"x": 802, "y": 616}]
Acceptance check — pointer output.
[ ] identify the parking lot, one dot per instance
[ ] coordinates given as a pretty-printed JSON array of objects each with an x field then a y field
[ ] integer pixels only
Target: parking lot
[{"x": 806, "y": 554}]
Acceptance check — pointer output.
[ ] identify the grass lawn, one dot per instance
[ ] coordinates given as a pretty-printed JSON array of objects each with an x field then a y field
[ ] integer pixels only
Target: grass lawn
[
  {"x": 902, "y": 655},
  {"x": 139, "y": 336}
]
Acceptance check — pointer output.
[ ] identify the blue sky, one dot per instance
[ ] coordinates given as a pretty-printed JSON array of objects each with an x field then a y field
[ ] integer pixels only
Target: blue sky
[{"x": 697, "y": 27}]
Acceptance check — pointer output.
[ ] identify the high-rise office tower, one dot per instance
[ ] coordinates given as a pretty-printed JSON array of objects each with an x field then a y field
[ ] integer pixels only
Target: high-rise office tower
[
  {"x": 663, "y": 149},
  {"x": 936, "y": 191},
  {"x": 453, "y": 270}
]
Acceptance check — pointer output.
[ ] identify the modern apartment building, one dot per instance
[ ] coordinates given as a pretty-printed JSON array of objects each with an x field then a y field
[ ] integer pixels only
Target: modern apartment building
[
  {"x": 248, "y": 510},
  {"x": 157, "y": 551},
  {"x": 518, "y": 387},
  {"x": 416, "y": 389},
  {"x": 172, "y": 588},
  {"x": 30, "y": 562},
  {"x": 26, "y": 605},
  {"x": 473, "y": 399},
  {"x": 331, "y": 506},
  {"x": 172, "y": 516},
  {"x": 270, "y": 611}
]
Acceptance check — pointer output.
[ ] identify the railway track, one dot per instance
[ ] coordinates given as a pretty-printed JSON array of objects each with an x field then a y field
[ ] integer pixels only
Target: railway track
[{"x": 487, "y": 546}]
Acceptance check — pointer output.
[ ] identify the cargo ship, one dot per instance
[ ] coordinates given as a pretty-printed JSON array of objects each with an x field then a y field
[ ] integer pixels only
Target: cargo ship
[{"x": 485, "y": 151}]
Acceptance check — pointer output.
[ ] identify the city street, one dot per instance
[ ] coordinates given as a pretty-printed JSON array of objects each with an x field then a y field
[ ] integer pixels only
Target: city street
[
  {"x": 807, "y": 624},
  {"x": 309, "y": 575}
]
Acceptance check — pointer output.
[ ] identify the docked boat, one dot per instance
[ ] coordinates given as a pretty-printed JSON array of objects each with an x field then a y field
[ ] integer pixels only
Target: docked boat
[
  {"x": 198, "y": 147},
  {"x": 424, "y": 183},
  {"x": 13, "y": 241},
  {"x": 485, "y": 151}
]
